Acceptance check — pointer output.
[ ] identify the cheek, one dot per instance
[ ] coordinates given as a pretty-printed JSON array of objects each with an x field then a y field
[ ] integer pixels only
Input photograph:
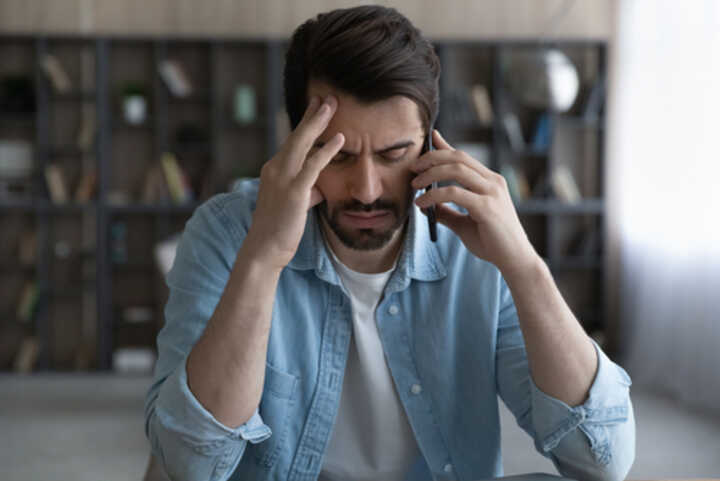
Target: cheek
[
  {"x": 328, "y": 185},
  {"x": 402, "y": 180}
]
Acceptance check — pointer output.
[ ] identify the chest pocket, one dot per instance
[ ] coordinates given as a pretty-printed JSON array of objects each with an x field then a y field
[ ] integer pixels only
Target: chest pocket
[{"x": 277, "y": 399}]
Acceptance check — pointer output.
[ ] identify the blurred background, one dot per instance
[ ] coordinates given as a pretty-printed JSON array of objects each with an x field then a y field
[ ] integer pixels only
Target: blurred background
[{"x": 118, "y": 118}]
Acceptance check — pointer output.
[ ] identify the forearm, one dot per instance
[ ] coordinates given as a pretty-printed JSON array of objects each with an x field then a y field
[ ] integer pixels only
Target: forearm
[
  {"x": 562, "y": 359},
  {"x": 226, "y": 368}
]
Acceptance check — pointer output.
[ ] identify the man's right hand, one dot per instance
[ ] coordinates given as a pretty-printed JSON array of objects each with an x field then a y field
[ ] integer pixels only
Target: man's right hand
[{"x": 287, "y": 188}]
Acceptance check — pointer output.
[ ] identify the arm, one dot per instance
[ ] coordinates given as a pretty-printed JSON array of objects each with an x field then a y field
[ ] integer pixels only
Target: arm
[
  {"x": 226, "y": 368},
  {"x": 562, "y": 390},
  {"x": 547, "y": 323},
  {"x": 593, "y": 441},
  {"x": 203, "y": 406},
  {"x": 491, "y": 230}
]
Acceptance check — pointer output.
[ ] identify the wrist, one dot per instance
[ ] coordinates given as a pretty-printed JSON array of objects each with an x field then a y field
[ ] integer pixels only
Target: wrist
[
  {"x": 523, "y": 269},
  {"x": 262, "y": 253},
  {"x": 258, "y": 260}
]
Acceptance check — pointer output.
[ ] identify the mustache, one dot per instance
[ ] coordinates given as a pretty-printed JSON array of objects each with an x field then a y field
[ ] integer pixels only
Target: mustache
[{"x": 357, "y": 206}]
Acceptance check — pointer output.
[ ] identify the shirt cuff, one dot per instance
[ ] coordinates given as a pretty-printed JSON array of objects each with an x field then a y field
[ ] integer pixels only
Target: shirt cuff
[
  {"x": 607, "y": 404},
  {"x": 179, "y": 410}
]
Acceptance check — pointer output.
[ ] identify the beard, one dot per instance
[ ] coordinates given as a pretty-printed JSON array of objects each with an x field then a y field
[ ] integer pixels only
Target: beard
[{"x": 366, "y": 239}]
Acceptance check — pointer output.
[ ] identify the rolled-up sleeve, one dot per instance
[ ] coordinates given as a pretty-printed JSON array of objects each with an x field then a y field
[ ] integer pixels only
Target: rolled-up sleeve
[
  {"x": 593, "y": 441},
  {"x": 191, "y": 443}
]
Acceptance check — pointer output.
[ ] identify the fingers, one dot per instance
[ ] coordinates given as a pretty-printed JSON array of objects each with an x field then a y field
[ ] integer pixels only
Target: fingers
[
  {"x": 456, "y": 221},
  {"x": 314, "y": 122},
  {"x": 454, "y": 172},
  {"x": 447, "y": 154},
  {"x": 439, "y": 141},
  {"x": 472, "y": 202},
  {"x": 315, "y": 163},
  {"x": 312, "y": 107}
]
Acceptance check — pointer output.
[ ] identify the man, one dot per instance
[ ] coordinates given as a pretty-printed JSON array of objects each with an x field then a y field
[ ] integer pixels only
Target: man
[{"x": 313, "y": 329}]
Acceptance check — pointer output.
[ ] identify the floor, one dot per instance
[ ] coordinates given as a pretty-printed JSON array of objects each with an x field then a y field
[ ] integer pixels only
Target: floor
[{"x": 90, "y": 427}]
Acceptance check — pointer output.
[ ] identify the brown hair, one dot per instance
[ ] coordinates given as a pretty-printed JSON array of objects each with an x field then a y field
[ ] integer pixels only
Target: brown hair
[{"x": 370, "y": 52}]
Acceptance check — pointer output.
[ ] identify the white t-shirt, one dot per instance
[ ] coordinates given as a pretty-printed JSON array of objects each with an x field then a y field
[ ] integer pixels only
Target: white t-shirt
[{"x": 371, "y": 439}]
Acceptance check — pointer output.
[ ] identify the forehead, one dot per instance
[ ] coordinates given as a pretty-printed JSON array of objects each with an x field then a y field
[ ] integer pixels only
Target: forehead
[{"x": 384, "y": 121}]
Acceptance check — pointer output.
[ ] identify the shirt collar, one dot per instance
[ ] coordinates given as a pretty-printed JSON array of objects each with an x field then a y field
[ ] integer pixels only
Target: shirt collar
[{"x": 419, "y": 257}]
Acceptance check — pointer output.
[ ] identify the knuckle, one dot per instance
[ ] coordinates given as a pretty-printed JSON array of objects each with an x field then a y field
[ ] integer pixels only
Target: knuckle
[{"x": 454, "y": 190}]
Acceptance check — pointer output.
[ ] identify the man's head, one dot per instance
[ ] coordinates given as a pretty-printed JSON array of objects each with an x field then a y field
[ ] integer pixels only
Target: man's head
[{"x": 384, "y": 75}]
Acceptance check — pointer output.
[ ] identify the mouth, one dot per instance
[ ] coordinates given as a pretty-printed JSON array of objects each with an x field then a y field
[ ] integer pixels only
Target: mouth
[{"x": 366, "y": 220}]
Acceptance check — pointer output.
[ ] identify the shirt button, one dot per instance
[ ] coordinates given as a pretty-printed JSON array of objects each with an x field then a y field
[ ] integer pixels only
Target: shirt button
[
  {"x": 416, "y": 389},
  {"x": 394, "y": 309},
  {"x": 447, "y": 468}
]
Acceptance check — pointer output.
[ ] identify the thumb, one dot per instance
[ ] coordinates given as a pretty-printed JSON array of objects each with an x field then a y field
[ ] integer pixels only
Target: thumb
[
  {"x": 439, "y": 142},
  {"x": 315, "y": 196}
]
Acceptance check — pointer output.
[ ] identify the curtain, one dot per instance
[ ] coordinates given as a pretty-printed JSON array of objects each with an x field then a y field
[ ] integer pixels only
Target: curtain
[{"x": 663, "y": 181}]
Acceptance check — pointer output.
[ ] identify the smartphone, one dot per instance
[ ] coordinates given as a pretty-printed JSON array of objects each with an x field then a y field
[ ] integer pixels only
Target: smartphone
[{"x": 430, "y": 211}]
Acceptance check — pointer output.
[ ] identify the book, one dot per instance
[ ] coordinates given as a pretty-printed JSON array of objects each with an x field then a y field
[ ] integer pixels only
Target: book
[
  {"x": 543, "y": 134},
  {"x": 594, "y": 105},
  {"x": 482, "y": 104},
  {"x": 27, "y": 355},
  {"x": 86, "y": 187},
  {"x": 56, "y": 184},
  {"x": 155, "y": 188},
  {"x": 86, "y": 134},
  {"x": 176, "y": 179},
  {"x": 514, "y": 131},
  {"x": 175, "y": 78},
  {"x": 56, "y": 73},
  {"x": 517, "y": 182},
  {"x": 564, "y": 185},
  {"x": 28, "y": 302}
]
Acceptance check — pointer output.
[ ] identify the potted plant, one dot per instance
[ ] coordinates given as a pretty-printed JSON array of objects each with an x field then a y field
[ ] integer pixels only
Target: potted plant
[{"x": 134, "y": 103}]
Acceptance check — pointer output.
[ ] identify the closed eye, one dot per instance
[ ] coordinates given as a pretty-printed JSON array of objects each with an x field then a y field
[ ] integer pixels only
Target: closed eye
[
  {"x": 339, "y": 157},
  {"x": 396, "y": 154}
]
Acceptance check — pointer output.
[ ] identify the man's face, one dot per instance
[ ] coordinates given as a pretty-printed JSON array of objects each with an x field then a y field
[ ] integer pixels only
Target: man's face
[{"x": 367, "y": 185}]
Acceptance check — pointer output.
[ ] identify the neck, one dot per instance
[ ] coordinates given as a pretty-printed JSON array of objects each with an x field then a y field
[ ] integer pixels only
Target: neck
[{"x": 366, "y": 262}]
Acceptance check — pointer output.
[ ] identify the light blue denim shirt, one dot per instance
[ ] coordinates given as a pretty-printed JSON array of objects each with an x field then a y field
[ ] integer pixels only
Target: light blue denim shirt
[{"x": 452, "y": 342}]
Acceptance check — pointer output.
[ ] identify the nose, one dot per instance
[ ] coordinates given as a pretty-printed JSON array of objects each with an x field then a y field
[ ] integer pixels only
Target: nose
[{"x": 364, "y": 181}]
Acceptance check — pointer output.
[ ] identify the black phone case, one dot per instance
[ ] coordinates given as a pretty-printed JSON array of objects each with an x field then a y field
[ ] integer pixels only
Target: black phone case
[{"x": 430, "y": 211}]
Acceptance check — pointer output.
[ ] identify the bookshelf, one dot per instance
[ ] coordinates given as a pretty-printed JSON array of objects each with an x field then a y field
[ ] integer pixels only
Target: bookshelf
[
  {"x": 566, "y": 231},
  {"x": 98, "y": 286}
]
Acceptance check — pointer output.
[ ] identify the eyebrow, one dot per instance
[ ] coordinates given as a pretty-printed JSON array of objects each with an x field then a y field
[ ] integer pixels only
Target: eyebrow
[{"x": 397, "y": 145}]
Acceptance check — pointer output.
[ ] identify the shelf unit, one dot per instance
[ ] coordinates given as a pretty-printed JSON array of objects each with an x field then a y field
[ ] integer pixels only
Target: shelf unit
[
  {"x": 87, "y": 277},
  {"x": 567, "y": 235}
]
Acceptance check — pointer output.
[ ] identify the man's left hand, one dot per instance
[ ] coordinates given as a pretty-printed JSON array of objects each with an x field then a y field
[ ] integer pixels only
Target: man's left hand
[{"x": 491, "y": 228}]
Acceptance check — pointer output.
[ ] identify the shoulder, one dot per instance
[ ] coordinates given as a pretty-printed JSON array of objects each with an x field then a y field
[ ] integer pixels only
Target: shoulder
[{"x": 230, "y": 211}]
